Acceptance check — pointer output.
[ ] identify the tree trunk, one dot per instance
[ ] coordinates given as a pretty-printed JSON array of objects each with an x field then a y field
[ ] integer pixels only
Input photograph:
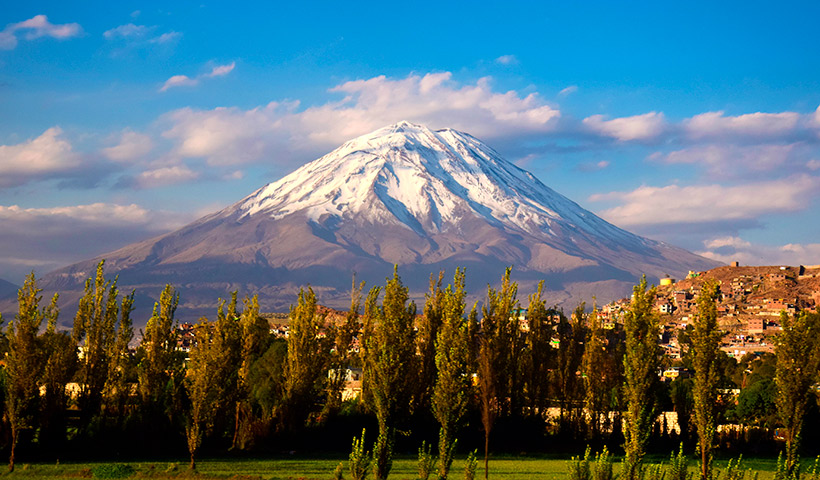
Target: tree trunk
[
  {"x": 14, "y": 434},
  {"x": 486, "y": 455}
]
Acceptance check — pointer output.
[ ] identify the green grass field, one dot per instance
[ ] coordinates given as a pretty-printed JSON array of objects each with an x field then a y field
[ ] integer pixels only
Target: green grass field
[{"x": 505, "y": 468}]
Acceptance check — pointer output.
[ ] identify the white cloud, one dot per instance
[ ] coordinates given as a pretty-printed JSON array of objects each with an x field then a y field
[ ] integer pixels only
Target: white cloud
[
  {"x": 166, "y": 175},
  {"x": 36, "y": 27},
  {"x": 28, "y": 236},
  {"x": 638, "y": 127},
  {"x": 813, "y": 164},
  {"x": 507, "y": 60},
  {"x": 221, "y": 70},
  {"x": 674, "y": 204},
  {"x": 728, "y": 249},
  {"x": 39, "y": 157},
  {"x": 186, "y": 81},
  {"x": 568, "y": 91},
  {"x": 179, "y": 81},
  {"x": 128, "y": 30},
  {"x": 130, "y": 146},
  {"x": 232, "y": 135},
  {"x": 165, "y": 38},
  {"x": 756, "y": 125},
  {"x": 733, "y": 160}
]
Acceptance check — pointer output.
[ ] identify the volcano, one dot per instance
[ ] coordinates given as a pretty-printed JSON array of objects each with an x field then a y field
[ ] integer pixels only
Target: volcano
[{"x": 402, "y": 195}]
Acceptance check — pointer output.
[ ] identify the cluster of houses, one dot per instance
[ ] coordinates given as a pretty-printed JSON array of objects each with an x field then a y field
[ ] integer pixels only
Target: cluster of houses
[{"x": 749, "y": 307}]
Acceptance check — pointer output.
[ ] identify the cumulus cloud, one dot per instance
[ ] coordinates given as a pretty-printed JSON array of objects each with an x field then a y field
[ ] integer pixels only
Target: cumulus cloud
[
  {"x": 507, "y": 60},
  {"x": 233, "y": 136},
  {"x": 48, "y": 238},
  {"x": 648, "y": 126},
  {"x": 130, "y": 146},
  {"x": 722, "y": 160},
  {"x": 41, "y": 157},
  {"x": 733, "y": 248},
  {"x": 185, "y": 81},
  {"x": 756, "y": 125},
  {"x": 179, "y": 81},
  {"x": 37, "y": 27},
  {"x": 165, "y": 175},
  {"x": 698, "y": 204}
]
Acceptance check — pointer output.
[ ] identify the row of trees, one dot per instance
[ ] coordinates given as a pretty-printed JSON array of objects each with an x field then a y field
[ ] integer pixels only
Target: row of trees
[{"x": 239, "y": 385}]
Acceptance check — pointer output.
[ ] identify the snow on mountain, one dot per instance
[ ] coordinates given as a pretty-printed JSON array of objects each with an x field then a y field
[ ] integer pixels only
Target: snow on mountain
[{"x": 425, "y": 200}]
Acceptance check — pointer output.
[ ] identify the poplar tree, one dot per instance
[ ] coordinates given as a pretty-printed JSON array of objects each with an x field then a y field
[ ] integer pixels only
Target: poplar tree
[
  {"x": 598, "y": 374},
  {"x": 389, "y": 352},
  {"x": 254, "y": 335},
  {"x": 95, "y": 332},
  {"x": 797, "y": 355},
  {"x": 202, "y": 388},
  {"x": 570, "y": 335},
  {"x": 226, "y": 346},
  {"x": 641, "y": 365},
  {"x": 497, "y": 325},
  {"x": 452, "y": 386},
  {"x": 121, "y": 366},
  {"x": 306, "y": 361},
  {"x": 539, "y": 351},
  {"x": 705, "y": 346},
  {"x": 342, "y": 341},
  {"x": 429, "y": 325},
  {"x": 60, "y": 357},
  {"x": 159, "y": 365},
  {"x": 24, "y": 361}
]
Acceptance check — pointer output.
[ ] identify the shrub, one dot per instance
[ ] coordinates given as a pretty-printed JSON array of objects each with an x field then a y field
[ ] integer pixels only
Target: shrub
[
  {"x": 360, "y": 460},
  {"x": 579, "y": 467},
  {"x": 426, "y": 461},
  {"x": 471, "y": 465},
  {"x": 116, "y": 470}
]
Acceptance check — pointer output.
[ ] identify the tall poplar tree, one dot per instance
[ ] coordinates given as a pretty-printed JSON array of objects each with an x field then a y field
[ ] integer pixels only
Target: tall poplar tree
[
  {"x": 254, "y": 333},
  {"x": 159, "y": 366},
  {"x": 201, "y": 386},
  {"x": 429, "y": 325},
  {"x": 539, "y": 351},
  {"x": 389, "y": 351},
  {"x": 342, "y": 341},
  {"x": 641, "y": 363},
  {"x": 498, "y": 323},
  {"x": 599, "y": 377},
  {"x": 60, "y": 357},
  {"x": 797, "y": 355},
  {"x": 24, "y": 362},
  {"x": 452, "y": 386},
  {"x": 705, "y": 347},
  {"x": 95, "y": 333},
  {"x": 306, "y": 361}
]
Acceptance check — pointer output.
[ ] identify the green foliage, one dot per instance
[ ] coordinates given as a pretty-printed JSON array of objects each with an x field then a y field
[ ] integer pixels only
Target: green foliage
[
  {"x": 679, "y": 466},
  {"x": 539, "y": 353},
  {"x": 655, "y": 472},
  {"x": 24, "y": 361},
  {"x": 388, "y": 360},
  {"x": 452, "y": 358},
  {"x": 705, "y": 347},
  {"x": 602, "y": 470},
  {"x": 157, "y": 366},
  {"x": 338, "y": 473},
  {"x": 95, "y": 331},
  {"x": 578, "y": 467},
  {"x": 471, "y": 465},
  {"x": 427, "y": 461},
  {"x": 785, "y": 471},
  {"x": 306, "y": 361},
  {"x": 735, "y": 471},
  {"x": 641, "y": 326},
  {"x": 496, "y": 368},
  {"x": 797, "y": 364},
  {"x": 360, "y": 460},
  {"x": 115, "y": 470}
]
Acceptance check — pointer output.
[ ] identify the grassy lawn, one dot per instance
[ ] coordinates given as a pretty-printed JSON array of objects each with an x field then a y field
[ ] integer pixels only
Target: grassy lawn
[{"x": 506, "y": 468}]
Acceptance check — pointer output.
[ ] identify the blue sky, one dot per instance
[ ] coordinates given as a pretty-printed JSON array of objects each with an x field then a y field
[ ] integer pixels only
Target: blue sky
[{"x": 692, "y": 123}]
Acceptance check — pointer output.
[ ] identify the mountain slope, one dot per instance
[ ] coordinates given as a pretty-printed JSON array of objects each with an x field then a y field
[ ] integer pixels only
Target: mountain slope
[{"x": 400, "y": 195}]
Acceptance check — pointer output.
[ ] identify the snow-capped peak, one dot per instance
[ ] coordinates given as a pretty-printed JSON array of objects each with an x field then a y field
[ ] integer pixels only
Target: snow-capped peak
[{"x": 426, "y": 180}]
